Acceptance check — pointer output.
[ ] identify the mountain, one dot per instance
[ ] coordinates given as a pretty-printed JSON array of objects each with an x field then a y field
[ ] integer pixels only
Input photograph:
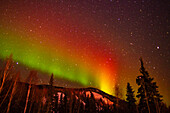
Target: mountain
[{"x": 45, "y": 98}]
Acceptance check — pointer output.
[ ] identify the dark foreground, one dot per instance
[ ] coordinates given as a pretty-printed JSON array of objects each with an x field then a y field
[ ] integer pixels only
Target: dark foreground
[{"x": 29, "y": 98}]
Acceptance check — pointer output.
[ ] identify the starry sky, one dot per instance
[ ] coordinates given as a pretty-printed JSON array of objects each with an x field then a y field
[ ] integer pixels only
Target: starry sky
[{"x": 85, "y": 43}]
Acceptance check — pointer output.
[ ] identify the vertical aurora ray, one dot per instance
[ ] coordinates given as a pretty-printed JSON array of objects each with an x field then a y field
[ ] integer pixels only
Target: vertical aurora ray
[
  {"x": 44, "y": 46},
  {"x": 71, "y": 68}
]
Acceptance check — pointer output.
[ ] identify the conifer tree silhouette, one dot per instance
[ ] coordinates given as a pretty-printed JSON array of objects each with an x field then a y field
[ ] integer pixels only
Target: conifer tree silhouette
[
  {"x": 130, "y": 98},
  {"x": 50, "y": 94},
  {"x": 148, "y": 91}
]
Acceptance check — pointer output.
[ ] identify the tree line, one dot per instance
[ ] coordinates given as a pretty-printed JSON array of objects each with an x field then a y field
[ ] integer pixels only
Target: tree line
[
  {"x": 150, "y": 100},
  {"x": 27, "y": 97}
]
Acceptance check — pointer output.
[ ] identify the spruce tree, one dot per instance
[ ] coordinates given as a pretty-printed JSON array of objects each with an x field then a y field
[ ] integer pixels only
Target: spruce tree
[
  {"x": 130, "y": 98},
  {"x": 65, "y": 103},
  {"x": 51, "y": 80},
  {"x": 56, "y": 98},
  {"x": 148, "y": 92},
  {"x": 50, "y": 94},
  {"x": 61, "y": 103}
]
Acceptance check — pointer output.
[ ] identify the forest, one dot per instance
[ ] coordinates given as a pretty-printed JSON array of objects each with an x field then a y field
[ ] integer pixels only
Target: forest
[{"x": 27, "y": 97}]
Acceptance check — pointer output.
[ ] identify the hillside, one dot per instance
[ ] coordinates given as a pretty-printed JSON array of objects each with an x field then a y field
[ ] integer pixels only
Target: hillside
[{"x": 46, "y": 98}]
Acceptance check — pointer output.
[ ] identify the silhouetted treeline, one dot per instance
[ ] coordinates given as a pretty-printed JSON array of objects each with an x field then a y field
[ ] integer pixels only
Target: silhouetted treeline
[
  {"x": 62, "y": 100},
  {"x": 149, "y": 98},
  {"x": 27, "y": 97}
]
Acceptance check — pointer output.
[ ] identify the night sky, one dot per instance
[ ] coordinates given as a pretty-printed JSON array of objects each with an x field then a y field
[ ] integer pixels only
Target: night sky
[{"x": 85, "y": 43}]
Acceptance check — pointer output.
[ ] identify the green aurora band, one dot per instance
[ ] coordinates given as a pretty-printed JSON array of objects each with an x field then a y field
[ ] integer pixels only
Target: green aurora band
[{"x": 30, "y": 55}]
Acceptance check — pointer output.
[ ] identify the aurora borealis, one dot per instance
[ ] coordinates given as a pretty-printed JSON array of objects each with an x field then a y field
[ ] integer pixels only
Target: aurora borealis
[
  {"x": 93, "y": 42},
  {"x": 64, "y": 64},
  {"x": 67, "y": 55}
]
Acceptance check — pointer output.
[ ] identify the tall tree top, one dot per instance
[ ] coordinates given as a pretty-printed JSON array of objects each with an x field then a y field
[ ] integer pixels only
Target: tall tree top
[
  {"x": 142, "y": 69},
  {"x": 51, "y": 80},
  {"x": 130, "y": 94}
]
